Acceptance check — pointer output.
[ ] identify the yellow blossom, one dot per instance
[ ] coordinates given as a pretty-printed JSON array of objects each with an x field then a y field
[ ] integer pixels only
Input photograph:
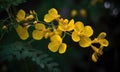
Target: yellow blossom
[
  {"x": 52, "y": 15},
  {"x": 83, "y": 13},
  {"x": 52, "y": 33},
  {"x": 81, "y": 34},
  {"x": 57, "y": 45},
  {"x": 39, "y": 31},
  {"x": 94, "y": 57},
  {"x": 20, "y": 15},
  {"x": 101, "y": 39},
  {"x": 22, "y": 32},
  {"x": 73, "y": 13},
  {"x": 98, "y": 52},
  {"x": 30, "y": 17},
  {"x": 4, "y": 27},
  {"x": 64, "y": 25}
]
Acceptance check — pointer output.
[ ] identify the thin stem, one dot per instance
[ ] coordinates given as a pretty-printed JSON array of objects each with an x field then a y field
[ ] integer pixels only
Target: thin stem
[
  {"x": 36, "y": 16},
  {"x": 4, "y": 19},
  {"x": 2, "y": 36},
  {"x": 9, "y": 14},
  {"x": 68, "y": 33},
  {"x": 64, "y": 35},
  {"x": 31, "y": 41}
]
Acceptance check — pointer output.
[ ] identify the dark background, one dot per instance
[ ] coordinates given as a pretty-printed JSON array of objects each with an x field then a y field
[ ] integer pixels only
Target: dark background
[{"x": 77, "y": 59}]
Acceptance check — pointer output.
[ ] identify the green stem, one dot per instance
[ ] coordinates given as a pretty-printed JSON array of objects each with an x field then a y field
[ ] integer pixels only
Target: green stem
[
  {"x": 31, "y": 41},
  {"x": 1, "y": 36},
  {"x": 64, "y": 35},
  {"x": 68, "y": 33},
  {"x": 4, "y": 20}
]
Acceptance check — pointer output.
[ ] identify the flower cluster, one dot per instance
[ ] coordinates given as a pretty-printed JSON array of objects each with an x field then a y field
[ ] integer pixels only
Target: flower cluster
[{"x": 56, "y": 32}]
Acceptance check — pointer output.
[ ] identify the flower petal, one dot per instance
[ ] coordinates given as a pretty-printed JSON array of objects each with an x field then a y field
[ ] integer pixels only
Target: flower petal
[
  {"x": 62, "y": 48},
  {"x": 88, "y": 31},
  {"x": 94, "y": 57},
  {"x": 22, "y": 32},
  {"x": 53, "y": 11},
  {"x": 75, "y": 37},
  {"x": 79, "y": 26},
  {"x": 37, "y": 35},
  {"x": 104, "y": 42},
  {"x": 52, "y": 14},
  {"x": 70, "y": 25},
  {"x": 95, "y": 48},
  {"x": 102, "y": 35},
  {"x": 53, "y": 46},
  {"x": 62, "y": 27},
  {"x": 85, "y": 41},
  {"x": 56, "y": 38},
  {"x": 40, "y": 26},
  {"x": 48, "y": 18},
  {"x": 20, "y": 15}
]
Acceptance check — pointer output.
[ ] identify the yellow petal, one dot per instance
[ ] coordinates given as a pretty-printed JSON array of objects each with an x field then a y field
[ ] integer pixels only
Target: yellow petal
[
  {"x": 37, "y": 35},
  {"x": 53, "y": 11},
  {"x": 104, "y": 42},
  {"x": 102, "y": 35},
  {"x": 79, "y": 26},
  {"x": 22, "y": 32},
  {"x": 75, "y": 37},
  {"x": 52, "y": 14},
  {"x": 70, "y": 25},
  {"x": 100, "y": 52},
  {"x": 20, "y": 15},
  {"x": 62, "y": 48},
  {"x": 48, "y": 18},
  {"x": 88, "y": 31},
  {"x": 40, "y": 26},
  {"x": 56, "y": 38},
  {"x": 62, "y": 27},
  {"x": 30, "y": 17},
  {"x": 65, "y": 21},
  {"x": 85, "y": 41},
  {"x": 47, "y": 34},
  {"x": 53, "y": 46},
  {"x": 58, "y": 31},
  {"x": 95, "y": 48},
  {"x": 94, "y": 57}
]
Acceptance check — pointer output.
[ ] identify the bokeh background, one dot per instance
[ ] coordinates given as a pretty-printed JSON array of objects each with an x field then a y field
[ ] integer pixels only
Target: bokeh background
[{"x": 102, "y": 15}]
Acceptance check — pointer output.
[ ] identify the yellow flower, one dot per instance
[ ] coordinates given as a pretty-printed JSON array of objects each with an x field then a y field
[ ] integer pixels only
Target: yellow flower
[
  {"x": 65, "y": 26},
  {"x": 81, "y": 34},
  {"x": 83, "y": 13},
  {"x": 103, "y": 42},
  {"x": 57, "y": 45},
  {"x": 4, "y": 27},
  {"x": 20, "y": 15},
  {"x": 22, "y": 32},
  {"x": 52, "y": 33},
  {"x": 73, "y": 13},
  {"x": 56, "y": 32},
  {"x": 30, "y": 17},
  {"x": 52, "y": 15},
  {"x": 98, "y": 52},
  {"x": 94, "y": 57},
  {"x": 39, "y": 31},
  {"x": 101, "y": 39}
]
